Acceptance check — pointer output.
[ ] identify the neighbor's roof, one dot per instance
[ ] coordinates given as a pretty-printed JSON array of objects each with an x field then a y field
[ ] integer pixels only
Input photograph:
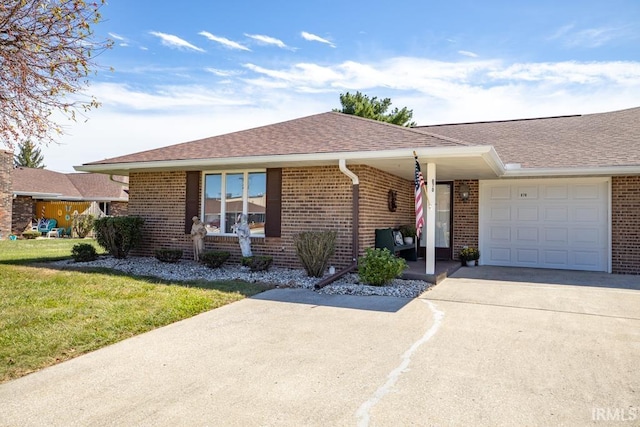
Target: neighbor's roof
[
  {"x": 331, "y": 132},
  {"x": 590, "y": 140},
  {"x": 44, "y": 183}
]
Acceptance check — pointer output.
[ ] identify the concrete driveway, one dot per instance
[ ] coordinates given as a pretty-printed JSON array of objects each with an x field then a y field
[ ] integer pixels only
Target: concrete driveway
[{"x": 489, "y": 346}]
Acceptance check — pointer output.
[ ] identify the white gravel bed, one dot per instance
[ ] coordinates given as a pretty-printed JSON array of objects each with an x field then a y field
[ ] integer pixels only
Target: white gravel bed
[{"x": 185, "y": 270}]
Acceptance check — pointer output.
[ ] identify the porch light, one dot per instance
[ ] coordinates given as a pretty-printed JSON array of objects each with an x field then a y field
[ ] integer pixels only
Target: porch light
[{"x": 464, "y": 192}]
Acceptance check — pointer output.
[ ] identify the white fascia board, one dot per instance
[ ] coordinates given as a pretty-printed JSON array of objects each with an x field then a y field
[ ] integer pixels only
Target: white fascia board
[
  {"x": 589, "y": 171},
  {"x": 37, "y": 194},
  {"x": 424, "y": 153}
]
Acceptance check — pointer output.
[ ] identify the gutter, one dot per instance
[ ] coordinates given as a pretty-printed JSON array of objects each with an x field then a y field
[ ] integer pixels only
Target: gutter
[
  {"x": 488, "y": 152},
  {"x": 355, "y": 225},
  {"x": 588, "y": 171}
]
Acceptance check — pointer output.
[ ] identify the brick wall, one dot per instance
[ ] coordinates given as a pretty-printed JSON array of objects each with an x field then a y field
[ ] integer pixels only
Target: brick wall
[
  {"x": 374, "y": 213},
  {"x": 313, "y": 199},
  {"x": 23, "y": 214},
  {"x": 465, "y": 217},
  {"x": 625, "y": 224},
  {"x": 6, "y": 192},
  {"x": 119, "y": 208}
]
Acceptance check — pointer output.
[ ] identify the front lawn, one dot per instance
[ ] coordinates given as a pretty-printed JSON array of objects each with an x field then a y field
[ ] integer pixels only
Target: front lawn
[{"x": 50, "y": 315}]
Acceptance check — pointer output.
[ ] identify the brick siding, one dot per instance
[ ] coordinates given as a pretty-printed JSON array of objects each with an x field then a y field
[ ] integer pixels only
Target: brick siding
[
  {"x": 119, "y": 208},
  {"x": 465, "y": 216},
  {"x": 318, "y": 198},
  {"x": 23, "y": 214},
  {"x": 6, "y": 192},
  {"x": 625, "y": 224}
]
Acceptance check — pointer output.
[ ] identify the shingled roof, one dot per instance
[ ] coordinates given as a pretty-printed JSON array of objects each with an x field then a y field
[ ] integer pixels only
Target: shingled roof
[
  {"x": 590, "y": 140},
  {"x": 330, "y": 132},
  {"x": 75, "y": 186}
]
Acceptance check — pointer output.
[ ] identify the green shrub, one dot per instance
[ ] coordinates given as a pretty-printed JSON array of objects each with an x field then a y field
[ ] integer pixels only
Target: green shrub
[
  {"x": 168, "y": 255},
  {"x": 214, "y": 259},
  {"x": 84, "y": 252},
  {"x": 378, "y": 267},
  {"x": 119, "y": 234},
  {"x": 314, "y": 249},
  {"x": 82, "y": 225},
  {"x": 31, "y": 234},
  {"x": 257, "y": 262}
]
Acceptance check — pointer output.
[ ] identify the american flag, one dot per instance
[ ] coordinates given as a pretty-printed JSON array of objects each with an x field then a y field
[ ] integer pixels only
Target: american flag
[{"x": 419, "y": 180}]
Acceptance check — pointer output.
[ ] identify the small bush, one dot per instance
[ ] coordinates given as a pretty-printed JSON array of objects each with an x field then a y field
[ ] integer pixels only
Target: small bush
[
  {"x": 31, "y": 234},
  {"x": 214, "y": 259},
  {"x": 84, "y": 252},
  {"x": 118, "y": 235},
  {"x": 168, "y": 255},
  {"x": 378, "y": 267},
  {"x": 257, "y": 262},
  {"x": 82, "y": 225},
  {"x": 314, "y": 249}
]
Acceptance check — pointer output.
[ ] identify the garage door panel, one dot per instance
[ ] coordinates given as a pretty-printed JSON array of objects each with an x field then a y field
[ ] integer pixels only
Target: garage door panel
[
  {"x": 527, "y": 256},
  {"x": 526, "y": 213},
  {"x": 556, "y": 213},
  {"x": 554, "y": 223},
  {"x": 500, "y": 234},
  {"x": 527, "y": 234},
  {"x": 500, "y": 192},
  {"x": 498, "y": 255},
  {"x": 587, "y": 192},
  {"x": 500, "y": 213},
  {"x": 556, "y": 192},
  {"x": 556, "y": 236},
  {"x": 556, "y": 258}
]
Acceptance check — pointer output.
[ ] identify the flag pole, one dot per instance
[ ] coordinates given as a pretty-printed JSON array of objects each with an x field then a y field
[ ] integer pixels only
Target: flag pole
[{"x": 425, "y": 192}]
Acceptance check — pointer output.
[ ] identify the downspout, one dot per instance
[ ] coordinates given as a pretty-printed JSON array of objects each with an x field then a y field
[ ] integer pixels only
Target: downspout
[{"x": 355, "y": 224}]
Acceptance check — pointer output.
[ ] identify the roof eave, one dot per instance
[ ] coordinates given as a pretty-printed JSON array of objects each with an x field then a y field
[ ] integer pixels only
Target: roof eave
[
  {"x": 424, "y": 154},
  {"x": 577, "y": 171}
]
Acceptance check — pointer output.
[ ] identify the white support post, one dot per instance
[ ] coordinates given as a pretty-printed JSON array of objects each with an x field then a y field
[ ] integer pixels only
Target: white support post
[{"x": 430, "y": 218}]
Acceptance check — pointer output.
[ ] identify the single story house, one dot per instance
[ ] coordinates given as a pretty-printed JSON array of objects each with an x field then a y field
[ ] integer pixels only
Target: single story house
[
  {"x": 42, "y": 193},
  {"x": 556, "y": 192}
]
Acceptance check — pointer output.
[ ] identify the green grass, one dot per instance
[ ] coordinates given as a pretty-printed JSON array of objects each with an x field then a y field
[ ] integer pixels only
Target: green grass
[{"x": 51, "y": 315}]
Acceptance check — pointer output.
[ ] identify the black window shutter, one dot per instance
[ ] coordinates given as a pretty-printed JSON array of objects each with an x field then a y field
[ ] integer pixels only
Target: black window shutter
[
  {"x": 192, "y": 200},
  {"x": 273, "y": 220}
]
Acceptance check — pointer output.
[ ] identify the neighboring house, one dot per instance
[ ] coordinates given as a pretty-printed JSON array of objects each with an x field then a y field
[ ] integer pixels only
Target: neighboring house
[
  {"x": 41, "y": 193},
  {"x": 559, "y": 192}
]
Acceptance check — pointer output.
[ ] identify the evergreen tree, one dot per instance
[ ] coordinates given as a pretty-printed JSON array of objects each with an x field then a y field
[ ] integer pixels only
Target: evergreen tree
[
  {"x": 29, "y": 156},
  {"x": 374, "y": 108}
]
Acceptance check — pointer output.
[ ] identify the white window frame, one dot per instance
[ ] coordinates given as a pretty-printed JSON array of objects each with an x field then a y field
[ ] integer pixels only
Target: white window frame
[{"x": 223, "y": 196}]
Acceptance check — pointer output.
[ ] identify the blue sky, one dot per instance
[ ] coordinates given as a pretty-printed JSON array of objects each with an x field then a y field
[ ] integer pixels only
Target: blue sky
[{"x": 189, "y": 70}]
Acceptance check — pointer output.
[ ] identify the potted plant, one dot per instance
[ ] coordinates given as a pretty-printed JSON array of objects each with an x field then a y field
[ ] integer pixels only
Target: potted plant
[
  {"x": 469, "y": 256},
  {"x": 408, "y": 233}
]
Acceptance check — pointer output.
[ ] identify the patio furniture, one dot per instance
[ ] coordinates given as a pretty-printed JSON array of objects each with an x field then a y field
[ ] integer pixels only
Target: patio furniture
[
  {"x": 385, "y": 239},
  {"x": 46, "y": 225}
]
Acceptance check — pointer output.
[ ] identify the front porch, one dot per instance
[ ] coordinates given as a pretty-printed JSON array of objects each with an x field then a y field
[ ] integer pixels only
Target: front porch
[{"x": 443, "y": 269}]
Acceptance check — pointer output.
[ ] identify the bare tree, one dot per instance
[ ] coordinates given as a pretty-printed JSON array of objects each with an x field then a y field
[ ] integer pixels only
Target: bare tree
[{"x": 46, "y": 53}]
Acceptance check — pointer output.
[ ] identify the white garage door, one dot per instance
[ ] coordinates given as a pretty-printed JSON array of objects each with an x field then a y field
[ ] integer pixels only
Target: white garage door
[{"x": 547, "y": 223}]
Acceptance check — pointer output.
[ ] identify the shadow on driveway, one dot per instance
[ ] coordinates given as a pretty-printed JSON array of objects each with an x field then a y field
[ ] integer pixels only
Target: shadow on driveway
[{"x": 308, "y": 297}]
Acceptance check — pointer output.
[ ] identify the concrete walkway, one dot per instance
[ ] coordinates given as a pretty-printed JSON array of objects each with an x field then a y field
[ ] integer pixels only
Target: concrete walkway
[{"x": 488, "y": 346}]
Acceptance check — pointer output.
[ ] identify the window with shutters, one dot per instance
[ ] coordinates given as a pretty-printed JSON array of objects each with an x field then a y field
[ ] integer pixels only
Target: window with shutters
[{"x": 227, "y": 195}]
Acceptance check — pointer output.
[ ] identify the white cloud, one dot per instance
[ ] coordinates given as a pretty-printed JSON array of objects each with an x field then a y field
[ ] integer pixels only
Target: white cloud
[
  {"x": 313, "y": 38},
  {"x": 117, "y": 37},
  {"x": 172, "y": 41},
  {"x": 135, "y": 118},
  {"x": 268, "y": 40},
  {"x": 467, "y": 53},
  {"x": 572, "y": 37},
  {"x": 229, "y": 44},
  {"x": 224, "y": 73}
]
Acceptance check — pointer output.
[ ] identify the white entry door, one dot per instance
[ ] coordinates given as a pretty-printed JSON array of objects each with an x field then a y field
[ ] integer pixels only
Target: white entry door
[{"x": 547, "y": 223}]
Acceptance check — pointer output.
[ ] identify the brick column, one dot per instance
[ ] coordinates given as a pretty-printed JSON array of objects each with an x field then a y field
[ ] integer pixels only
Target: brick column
[
  {"x": 465, "y": 217},
  {"x": 6, "y": 193}
]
